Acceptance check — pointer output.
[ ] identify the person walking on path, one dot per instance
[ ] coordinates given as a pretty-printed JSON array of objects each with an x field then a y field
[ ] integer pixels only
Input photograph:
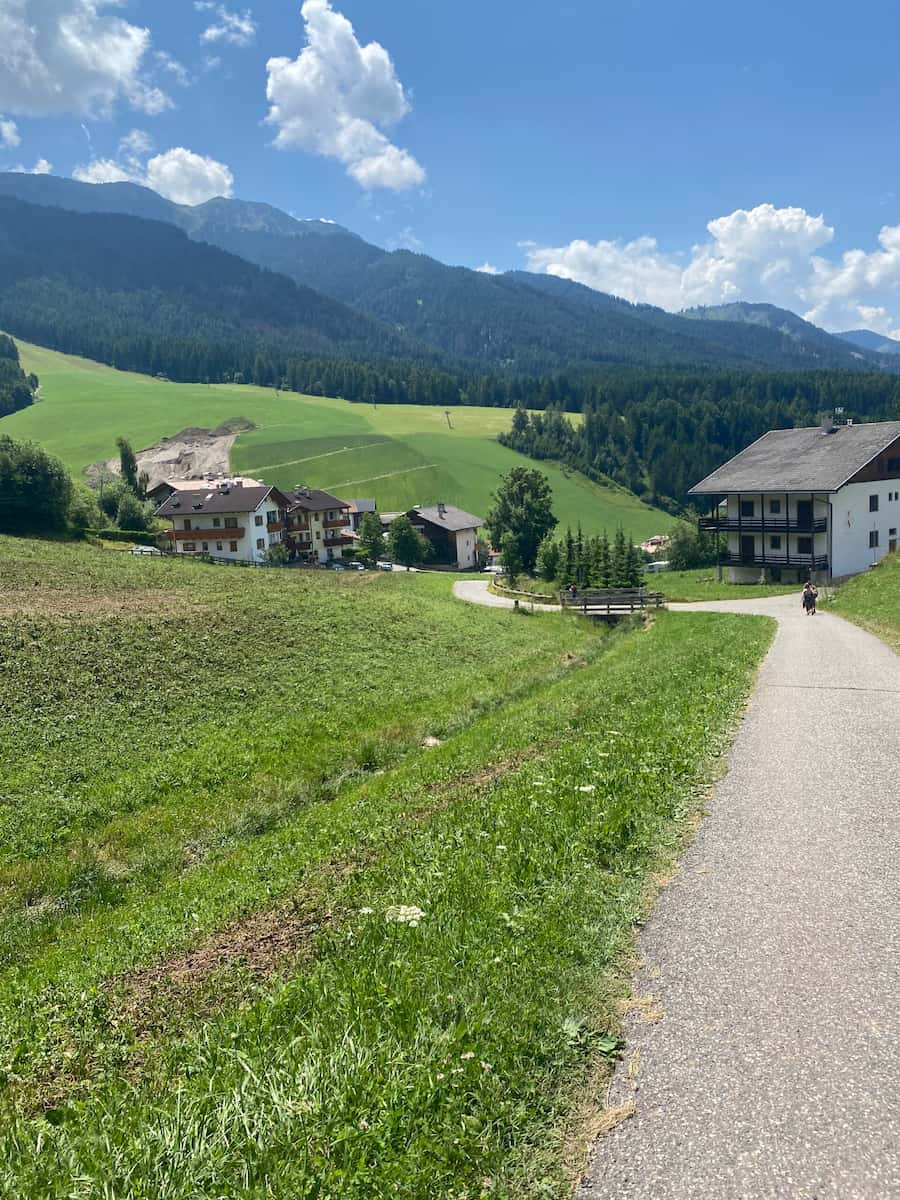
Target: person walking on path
[{"x": 810, "y": 595}]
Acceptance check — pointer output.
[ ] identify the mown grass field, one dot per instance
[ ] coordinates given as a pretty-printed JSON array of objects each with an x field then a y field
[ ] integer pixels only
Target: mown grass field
[
  {"x": 399, "y": 454},
  {"x": 872, "y": 600},
  {"x": 216, "y": 794},
  {"x": 702, "y": 584}
]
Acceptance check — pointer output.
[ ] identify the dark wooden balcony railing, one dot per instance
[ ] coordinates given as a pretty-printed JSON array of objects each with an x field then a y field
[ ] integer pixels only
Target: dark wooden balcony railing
[
  {"x": 762, "y": 525},
  {"x": 338, "y": 523},
  {"x": 812, "y": 562},
  {"x": 336, "y": 541}
]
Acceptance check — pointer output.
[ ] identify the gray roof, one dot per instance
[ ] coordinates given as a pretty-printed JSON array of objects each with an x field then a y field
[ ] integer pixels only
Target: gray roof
[
  {"x": 362, "y": 506},
  {"x": 314, "y": 500},
  {"x": 801, "y": 460},
  {"x": 213, "y": 500},
  {"x": 447, "y": 517}
]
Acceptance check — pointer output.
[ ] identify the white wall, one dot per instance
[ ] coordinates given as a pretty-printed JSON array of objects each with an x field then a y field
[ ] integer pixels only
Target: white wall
[
  {"x": 203, "y": 531},
  {"x": 852, "y": 523},
  {"x": 466, "y": 555}
]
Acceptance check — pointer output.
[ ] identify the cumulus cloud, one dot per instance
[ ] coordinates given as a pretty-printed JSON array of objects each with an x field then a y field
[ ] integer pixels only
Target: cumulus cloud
[
  {"x": 166, "y": 62},
  {"x": 763, "y": 254},
  {"x": 235, "y": 28},
  {"x": 337, "y": 97},
  {"x": 178, "y": 174},
  {"x": 41, "y": 167},
  {"x": 488, "y": 268},
  {"x": 60, "y": 56},
  {"x": 9, "y": 133}
]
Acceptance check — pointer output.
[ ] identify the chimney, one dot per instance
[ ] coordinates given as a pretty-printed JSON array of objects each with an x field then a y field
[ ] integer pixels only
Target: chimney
[{"x": 442, "y": 509}]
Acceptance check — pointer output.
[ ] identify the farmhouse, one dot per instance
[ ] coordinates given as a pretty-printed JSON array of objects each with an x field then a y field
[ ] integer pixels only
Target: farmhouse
[
  {"x": 799, "y": 503},
  {"x": 452, "y": 532},
  {"x": 318, "y": 525},
  {"x": 358, "y": 509},
  {"x": 162, "y": 490},
  {"x": 226, "y": 520}
]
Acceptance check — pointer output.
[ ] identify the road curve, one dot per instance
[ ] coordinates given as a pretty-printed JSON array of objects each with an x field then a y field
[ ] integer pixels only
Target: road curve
[
  {"x": 774, "y": 955},
  {"x": 475, "y": 591}
]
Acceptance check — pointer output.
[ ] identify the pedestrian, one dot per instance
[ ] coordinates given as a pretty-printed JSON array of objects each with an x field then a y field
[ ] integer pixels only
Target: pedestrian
[
  {"x": 810, "y": 594},
  {"x": 573, "y": 592}
]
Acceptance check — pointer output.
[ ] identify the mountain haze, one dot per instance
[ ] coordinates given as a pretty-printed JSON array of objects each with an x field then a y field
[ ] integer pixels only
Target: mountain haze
[{"x": 518, "y": 322}]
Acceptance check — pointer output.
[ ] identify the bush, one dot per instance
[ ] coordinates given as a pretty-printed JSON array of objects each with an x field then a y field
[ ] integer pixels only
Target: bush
[
  {"x": 689, "y": 549},
  {"x": 35, "y": 489}
]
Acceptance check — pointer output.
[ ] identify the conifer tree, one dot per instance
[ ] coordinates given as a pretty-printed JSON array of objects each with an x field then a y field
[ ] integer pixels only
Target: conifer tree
[{"x": 618, "y": 570}]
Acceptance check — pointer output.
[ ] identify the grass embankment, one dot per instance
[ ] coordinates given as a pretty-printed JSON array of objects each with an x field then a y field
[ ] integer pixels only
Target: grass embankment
[
  {"x": 399, "y": 454},
  {"x": 872, "y": 600},
  {"x": 687, "y": 586},
  {"x": 219, "y": 803}
]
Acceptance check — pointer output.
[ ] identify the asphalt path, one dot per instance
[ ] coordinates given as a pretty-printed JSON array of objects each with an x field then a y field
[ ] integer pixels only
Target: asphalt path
[
  {"x": 475, "y": 591},
  {"x": 770, "y": 1066}
]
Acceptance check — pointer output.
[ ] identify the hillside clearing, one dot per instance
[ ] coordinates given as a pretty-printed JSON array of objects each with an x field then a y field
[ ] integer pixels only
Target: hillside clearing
[
  {"x": 399, "y": 454},
  {"x": 259, "y": 942}
]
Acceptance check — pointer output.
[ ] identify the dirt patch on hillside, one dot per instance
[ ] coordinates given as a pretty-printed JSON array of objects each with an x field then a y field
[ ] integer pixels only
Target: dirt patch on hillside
[
  {"x": 42, "y": 602},
  {"x": 190, "y": 454},
  {"x": 259, "y": 944}
]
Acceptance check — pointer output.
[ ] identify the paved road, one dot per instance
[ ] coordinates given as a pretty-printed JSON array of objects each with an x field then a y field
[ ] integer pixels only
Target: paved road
[
  {"x": 475, "y": 591},
  {"x": 775, "y": 953}
]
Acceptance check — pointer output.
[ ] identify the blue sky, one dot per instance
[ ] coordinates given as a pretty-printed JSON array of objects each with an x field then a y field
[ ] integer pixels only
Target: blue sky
[{"x": 674, "y": 152}]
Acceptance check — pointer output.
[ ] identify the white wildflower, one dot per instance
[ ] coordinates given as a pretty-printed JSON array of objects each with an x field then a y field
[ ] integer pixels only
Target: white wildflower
[
  {"x": 404, "y": 914},
  {"x": 500, "y": 847},
  {"x": 440, "y": 1075},
  {"x": 366, "y": 912},
  {"x": 468, "y": 1054},
  {"x": 486, "y": 1066},
  {"x": 587, "y": 787}
]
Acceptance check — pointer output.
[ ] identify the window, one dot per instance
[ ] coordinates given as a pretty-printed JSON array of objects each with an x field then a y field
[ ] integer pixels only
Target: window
[
  {"x": 873, "y": 539},
  {"x": 892, "y": 533},
  {"x": 804, "y": 545},
  {"x": 204, "y": 546},
  {"x": 217, "y": 522},
  {"x": 232, "y": 546},
  {"x": 775, "y": 506},
  {"x": 271, "y": 516},
  {"x": 893, "y": 465},
  {"x": 873, "y": 504},
  {"x": 187, "y": 522},
  {"x": 188, "y": 546},
  {"x": 218, "y": 545},
  {"x": 257, "y": 520},
  {"x": 747, "y": 508},
  {"x": 260, "y": 543},
  {"x": 231, "y": 522},
  {"x": 775, "y": 542},
  {"x": 318, "y": 535}
]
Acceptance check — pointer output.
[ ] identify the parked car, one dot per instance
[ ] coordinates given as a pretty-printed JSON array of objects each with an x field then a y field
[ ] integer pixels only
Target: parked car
[
  {"x": 384, "y": 565},
  {"x": 651, "y": 568},
  {"x": 338, "y": 564},
  {"x": 494, "y": 569},
  {"x": 144, "y": 550},
  {"x": 354, "y": 565}
]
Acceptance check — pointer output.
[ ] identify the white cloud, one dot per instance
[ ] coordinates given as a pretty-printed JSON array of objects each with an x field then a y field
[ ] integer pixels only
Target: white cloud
[
  {"x": 188, "y": 178},
  {"x": 9, "y": 133},
  {"x": 764, "y": 254},
  {"x": 178, "y": 174},
  {"x": 103, "y": 170},
  {"x": 406, "y": 240},
  {"x": 488, "y": 268},
  {"x": 59, "y": 56},
  {"x": 237, "y": 29},
  {"x": 41, "y": 167},
  {"x": 166, "y": 62},
  {"x": 335, "y": 99}
]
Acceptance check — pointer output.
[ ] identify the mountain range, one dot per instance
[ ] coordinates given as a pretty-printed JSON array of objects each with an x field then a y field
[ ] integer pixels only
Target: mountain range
[{"x": 355, "y": 299}]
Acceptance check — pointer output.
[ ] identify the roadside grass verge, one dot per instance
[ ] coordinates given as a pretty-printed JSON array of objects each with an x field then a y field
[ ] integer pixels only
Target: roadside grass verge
[
  {"x": 439, "y": 1056},
  {"x": 872, "y": 600},
  {"x": 701, "y": 584},
  {"x": 155, "y": 712}
]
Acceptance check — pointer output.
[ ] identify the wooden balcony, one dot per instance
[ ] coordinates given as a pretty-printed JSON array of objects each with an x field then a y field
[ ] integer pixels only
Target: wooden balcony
[
  {"x": 302, "y": 543},
  {"x": 338, "y": 523},
  {"x": 205, "y": 535},
  {"x": 771, "y": 524},
  {"x": 809, "y": 562},
  {"x": 275, "y": 526},
  {"x": 337, "y": 541}
]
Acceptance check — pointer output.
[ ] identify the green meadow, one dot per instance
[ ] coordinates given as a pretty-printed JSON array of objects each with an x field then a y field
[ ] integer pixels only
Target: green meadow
[
  {"x": 324, "y": 888},
  {"x": 399, "y": 454},
  {"x": 872, "y": 600}
]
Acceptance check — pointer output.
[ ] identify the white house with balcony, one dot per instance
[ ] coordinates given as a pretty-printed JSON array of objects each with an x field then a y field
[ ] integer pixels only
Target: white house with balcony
[
  {"x": 318, "y": 525},
  {"x": 820, "y": 503},
  {"x": 226, "y": 520}
]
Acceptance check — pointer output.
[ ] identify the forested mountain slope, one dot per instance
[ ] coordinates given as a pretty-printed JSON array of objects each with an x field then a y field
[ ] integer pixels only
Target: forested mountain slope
[
  {"x": 16, "y": 390},
  {"x": 141, "y": 293},
  {"x": 517, "y": 323}
]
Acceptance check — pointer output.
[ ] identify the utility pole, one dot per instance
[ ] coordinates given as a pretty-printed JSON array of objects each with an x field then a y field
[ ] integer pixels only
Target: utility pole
[{"x": 447, "y": 415}]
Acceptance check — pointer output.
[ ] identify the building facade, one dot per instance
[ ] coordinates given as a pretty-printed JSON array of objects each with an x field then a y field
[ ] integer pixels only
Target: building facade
[
  {"x": 318, "y": 525},
  {"x": 452, "y": 532},
  {"x": 820, "y": 503},
  {"x": 227, "y": 521}
]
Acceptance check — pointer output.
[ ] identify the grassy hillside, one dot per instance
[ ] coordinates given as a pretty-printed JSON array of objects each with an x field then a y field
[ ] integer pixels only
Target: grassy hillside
[
  {"x": 400, "y": 454},
  {"x": 873, "y": 600},
  {"x": 207, "y": 984}
]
